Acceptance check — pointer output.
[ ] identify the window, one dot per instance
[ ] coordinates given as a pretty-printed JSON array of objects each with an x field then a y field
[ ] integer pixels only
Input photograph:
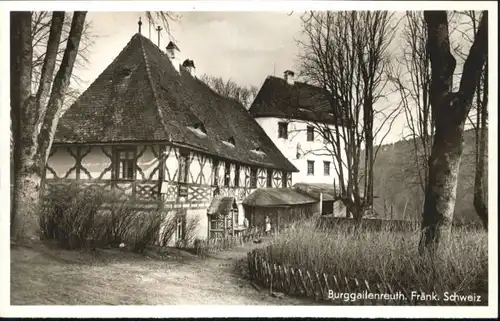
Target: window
[
  {"x": 126, "y": 163},
  {"x": 269, "y": 178},
  {"x": 282, "y": 130},
  {"x": 183, "y": 166},
  {"x": 284, "y": 180},
  {"x": 310, "y": 167},
  {"x": 215, "y": 175},
  {"x": 253, "y": 178},
  {"x": 326, "y": 166},
  {"x": 227, "y": 168},
  {"x": 310, "y": 133},
  {"x": 237, "y": 175}
]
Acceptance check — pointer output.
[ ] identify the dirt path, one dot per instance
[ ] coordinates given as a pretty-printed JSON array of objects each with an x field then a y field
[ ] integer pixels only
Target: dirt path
[{"x": 50, "y": 276}]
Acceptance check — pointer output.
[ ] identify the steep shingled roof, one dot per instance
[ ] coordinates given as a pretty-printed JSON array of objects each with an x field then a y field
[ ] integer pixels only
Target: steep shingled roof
[
  {"x": 140, "y": 96},
  {"x": 277, "y": 98}
]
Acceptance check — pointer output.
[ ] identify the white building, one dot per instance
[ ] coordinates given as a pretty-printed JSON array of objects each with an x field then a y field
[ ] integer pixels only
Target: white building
[
  {"x": 148, "y": 129},
  {"x": 292, "y": 113}
]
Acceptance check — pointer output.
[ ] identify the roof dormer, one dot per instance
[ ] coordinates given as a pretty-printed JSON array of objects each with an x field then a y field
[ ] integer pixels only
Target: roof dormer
[
  {"x": 198, "y": 128},
  {"x": 230, "y": 142},
  {"x": 258, "y": 150}
]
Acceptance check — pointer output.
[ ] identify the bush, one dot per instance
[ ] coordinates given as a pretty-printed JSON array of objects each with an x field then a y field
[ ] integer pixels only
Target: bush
[
  {"x": 386, "y": 257},
  {"x": 190, "y": 227},
  {"x": 80, "y": 217},
  {"x": 119, "y": 221},
  {"x": 146, "y": 230},
  {"x": 74, "y": 216},
  {"x": 167, "y": 229},
  {"x": 69, "y": 215}
]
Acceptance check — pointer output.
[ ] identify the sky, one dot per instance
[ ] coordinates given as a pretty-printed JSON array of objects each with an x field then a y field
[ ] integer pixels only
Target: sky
[{"x": 243, "y": 46}]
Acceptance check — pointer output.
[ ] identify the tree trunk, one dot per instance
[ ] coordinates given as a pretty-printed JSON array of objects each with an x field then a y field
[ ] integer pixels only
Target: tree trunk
[
  {"x": 59, "y": 87},
  {"x": 479, "y": 199},
  {"x": 440, "y": 196},
  {"x": 27, "y": 198},
  {"x": 21, "y": 55},
  {"x": 449, "y": 111},
  {"x": 34, "y": 123}
]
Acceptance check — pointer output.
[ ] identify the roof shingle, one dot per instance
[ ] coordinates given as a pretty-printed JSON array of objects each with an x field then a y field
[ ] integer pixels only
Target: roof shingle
[
  {"x": 277, "y": 98},
  {"x": 140, "y": 96},
  {"x": 277, "y": 197}
]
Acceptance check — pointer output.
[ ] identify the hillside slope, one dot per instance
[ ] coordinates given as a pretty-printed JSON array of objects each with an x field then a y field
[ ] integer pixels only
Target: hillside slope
[{"x": 395, "y": 181}]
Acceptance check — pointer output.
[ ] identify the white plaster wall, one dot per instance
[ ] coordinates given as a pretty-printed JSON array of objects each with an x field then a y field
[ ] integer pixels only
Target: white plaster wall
[
  {"x": 207, "y": 171},
  {"x": 147, "y": 162},
  {"x": 201, "y": 230},
  {"x": 194, "y": 168},
  {"x": 241, "y": 214},
  {"x": 61, "y": 162},
  {"x": 232, "y": 172},
  {"x": 170, "y": 214},
  {"x": 171, "y": 164},
  {"x": 297, "y": 140},
  {"x": 95, "y": 162}
]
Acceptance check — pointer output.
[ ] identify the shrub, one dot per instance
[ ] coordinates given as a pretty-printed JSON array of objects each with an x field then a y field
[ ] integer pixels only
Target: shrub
[
  {"x": 120, "y": 220},
  {"x": 69, "y": 213},
  {"x": 167, "y": 229},
  {"x": 79, "y": 217},
  {"x": 191, "y": 225},
  {"x": 386, "y": 257},
  {"x": 146, "y": 230}
]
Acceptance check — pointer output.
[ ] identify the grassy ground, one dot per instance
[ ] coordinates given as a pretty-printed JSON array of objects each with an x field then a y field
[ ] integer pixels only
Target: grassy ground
[
  {"x": 45, "y": 275},
  {"x": 388, "y": 257}
]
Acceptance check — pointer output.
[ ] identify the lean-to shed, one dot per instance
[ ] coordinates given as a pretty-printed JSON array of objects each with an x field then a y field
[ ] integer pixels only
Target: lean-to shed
[
  {"x": 222, "y": 217},
  {"x": 282, "y": 205}
]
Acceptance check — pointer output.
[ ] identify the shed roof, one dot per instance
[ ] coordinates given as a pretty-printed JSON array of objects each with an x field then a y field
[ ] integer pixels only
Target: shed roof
[
  {"x": 277, "y": 197},
  {"x": 330, "y": 193},
  {"x": 222, "y": 205},
  {"x": 141, "y": 97}
]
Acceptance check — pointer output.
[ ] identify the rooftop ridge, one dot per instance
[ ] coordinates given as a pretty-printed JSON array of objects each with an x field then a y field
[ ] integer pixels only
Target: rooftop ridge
[
  {"x": 157, "y": 102},
  {"x": 153, "y": 89}
]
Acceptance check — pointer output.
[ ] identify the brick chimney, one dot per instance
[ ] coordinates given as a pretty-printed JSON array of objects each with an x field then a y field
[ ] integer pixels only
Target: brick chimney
[
  {"x": 289, "y": 76},
  {"x": 189, "y": 66}
]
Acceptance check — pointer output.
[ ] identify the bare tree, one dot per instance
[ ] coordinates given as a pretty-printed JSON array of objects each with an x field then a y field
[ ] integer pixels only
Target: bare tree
[
  {"x": 34, "y": 115},
  {"x": 40, "y": 30},
  {"x": 37, "y": 99},
  {"x": 449, "y": 110},
  {"x": 228, "y": 88},
  {"x": 479, "y": 119},
  {"x": 346, "y": 54},
  {"x": 413, "y": 82}
]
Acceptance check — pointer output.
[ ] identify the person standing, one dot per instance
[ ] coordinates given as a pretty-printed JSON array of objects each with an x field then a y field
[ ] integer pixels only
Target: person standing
[{"x": 268, "y": 225}]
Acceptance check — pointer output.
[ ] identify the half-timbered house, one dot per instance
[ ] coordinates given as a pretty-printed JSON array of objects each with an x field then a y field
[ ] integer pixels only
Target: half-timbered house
[{"x": 149, "y": 128}]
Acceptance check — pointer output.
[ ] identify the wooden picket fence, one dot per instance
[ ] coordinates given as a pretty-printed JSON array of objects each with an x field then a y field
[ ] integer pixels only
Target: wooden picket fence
[
  {"x": 299, "y": 282},
  {"x": 204, "y": 247}
]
